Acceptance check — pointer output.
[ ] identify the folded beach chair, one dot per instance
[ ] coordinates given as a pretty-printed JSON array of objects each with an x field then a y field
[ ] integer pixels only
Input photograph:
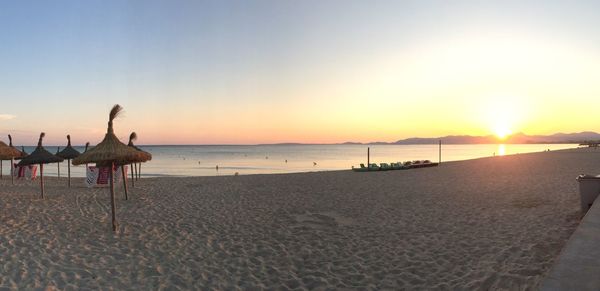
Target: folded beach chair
[{"x": 373, "y": 167}]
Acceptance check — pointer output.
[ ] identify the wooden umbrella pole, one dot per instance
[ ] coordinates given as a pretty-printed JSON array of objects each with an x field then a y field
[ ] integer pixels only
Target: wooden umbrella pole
[
  {"x": 124, "y": 180},
  {"x": 112, "y": 197},
  {"x": 132, "y": 177},
  {"x": 69, "y": 171},
  {"x": 42, "y": 179},
  {"x": 58, "y": 166},
  {"x": 1, "y": 177},
  {"x": 12, "y": 169},
  {"x": 140, "y": 171},
  {"x": 136, "y": 170}
]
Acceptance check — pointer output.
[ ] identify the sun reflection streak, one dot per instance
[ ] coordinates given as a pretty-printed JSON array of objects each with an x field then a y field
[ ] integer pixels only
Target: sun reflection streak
[{"x": 501, "y": 150}]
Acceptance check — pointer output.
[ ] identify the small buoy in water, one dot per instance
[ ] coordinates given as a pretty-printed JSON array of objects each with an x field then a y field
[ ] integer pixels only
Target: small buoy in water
[{"x": 314, "y": 163}]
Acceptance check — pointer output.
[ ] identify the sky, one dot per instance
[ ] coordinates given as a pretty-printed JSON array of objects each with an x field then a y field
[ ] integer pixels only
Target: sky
[{"x": 247, "y": 72}]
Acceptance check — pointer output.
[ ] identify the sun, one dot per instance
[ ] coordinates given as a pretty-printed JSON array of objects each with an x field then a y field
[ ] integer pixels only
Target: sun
[
  {"x": 503, "y": 113},
  {"x": 502, "y": 131}
]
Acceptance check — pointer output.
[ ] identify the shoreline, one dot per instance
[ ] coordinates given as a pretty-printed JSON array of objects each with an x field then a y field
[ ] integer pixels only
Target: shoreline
[
  {"x": 50, "y": 170},
  {"x": 485, "y": 223}
]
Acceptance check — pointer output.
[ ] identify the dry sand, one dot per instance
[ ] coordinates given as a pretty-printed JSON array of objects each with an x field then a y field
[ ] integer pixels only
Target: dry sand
[{"x": 491, "y": 223}]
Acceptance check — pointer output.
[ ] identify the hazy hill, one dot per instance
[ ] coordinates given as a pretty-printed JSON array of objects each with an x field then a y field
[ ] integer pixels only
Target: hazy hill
[{"x": 514, "y": 138}]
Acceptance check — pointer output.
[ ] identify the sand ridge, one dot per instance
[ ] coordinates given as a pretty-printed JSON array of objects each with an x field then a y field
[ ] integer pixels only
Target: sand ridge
[{"x": 491, "y": 223}]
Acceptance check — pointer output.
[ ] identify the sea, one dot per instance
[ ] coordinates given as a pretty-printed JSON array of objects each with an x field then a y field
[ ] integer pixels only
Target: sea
[{"x": 216, "y": 160}]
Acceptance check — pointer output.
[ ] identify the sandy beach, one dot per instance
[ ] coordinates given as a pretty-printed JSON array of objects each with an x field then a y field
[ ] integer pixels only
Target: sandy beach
[{"x": 490, "y": 223}]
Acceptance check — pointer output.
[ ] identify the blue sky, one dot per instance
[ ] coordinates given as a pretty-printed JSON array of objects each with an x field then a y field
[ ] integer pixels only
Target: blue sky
[{"x": 282, "y": 71}]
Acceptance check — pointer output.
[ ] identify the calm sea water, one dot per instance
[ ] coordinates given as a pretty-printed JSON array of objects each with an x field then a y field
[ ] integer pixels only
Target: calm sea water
[{"x": 268, "y": 159}]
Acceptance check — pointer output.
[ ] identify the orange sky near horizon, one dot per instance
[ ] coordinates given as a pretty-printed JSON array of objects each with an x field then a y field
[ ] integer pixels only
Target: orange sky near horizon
[{"x": 334, "y": 74}]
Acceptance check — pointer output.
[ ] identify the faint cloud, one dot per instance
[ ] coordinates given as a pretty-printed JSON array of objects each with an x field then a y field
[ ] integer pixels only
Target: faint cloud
[{"x": 7, "y": 116}]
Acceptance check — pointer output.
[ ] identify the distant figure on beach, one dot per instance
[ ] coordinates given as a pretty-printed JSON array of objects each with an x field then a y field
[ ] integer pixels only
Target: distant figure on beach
[
  {"x": 267, "y": 157},
  {"x": 198, "y": 162},
  {"x": 217, "y": 167},
  {"x": 286, "y": 161},
  {"x": 314, "y": 164}
]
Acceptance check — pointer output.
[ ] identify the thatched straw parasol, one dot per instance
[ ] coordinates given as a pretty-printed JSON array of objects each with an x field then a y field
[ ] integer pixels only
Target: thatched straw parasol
[
  {"x": 111, "y": 152},
  {"x": 22, "y": 151},
  {"x": 148, "y": 157},
  {"x": 8, "y": 152},
  {"x": 69, "y": 153},
  {"x": 40, "y": 156}
]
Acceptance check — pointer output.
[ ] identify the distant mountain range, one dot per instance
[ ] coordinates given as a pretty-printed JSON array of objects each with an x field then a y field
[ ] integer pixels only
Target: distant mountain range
[{"x": 517, "y": 138}]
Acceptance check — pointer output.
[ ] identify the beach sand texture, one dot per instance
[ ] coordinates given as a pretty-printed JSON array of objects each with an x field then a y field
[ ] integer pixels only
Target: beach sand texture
[{"x": 491, "y": 223}]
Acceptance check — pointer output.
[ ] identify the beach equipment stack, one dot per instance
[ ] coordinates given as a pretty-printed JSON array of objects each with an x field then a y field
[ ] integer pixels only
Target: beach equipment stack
[{"x": 40, "y": 156}]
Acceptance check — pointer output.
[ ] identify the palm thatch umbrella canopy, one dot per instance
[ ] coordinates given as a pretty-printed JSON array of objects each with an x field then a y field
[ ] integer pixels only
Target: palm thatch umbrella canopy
[
  {"x": 148, "y": 157},
  {"x": 10, "y": 144},
  {"x": 8, "y": 153},
  {"x": 68, "y": 153},
  {"x": 111, "y": 151},
  {"x": 40, "y": 156}
]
